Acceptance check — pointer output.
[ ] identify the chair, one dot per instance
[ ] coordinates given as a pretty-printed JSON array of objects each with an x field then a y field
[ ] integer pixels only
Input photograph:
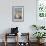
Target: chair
[
  {"x": 7, "y": 35},
  {"x": 14, "y": 32},
  {"x": 25, "y": 36}
]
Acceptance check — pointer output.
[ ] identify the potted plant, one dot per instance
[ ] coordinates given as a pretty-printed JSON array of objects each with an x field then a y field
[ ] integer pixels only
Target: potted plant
[
  {"x": 38, "y": 27},
  {"x": 42, "y": 27},
  {"x": 35, "y": 26},
  {"x": 39, "y": 35}
]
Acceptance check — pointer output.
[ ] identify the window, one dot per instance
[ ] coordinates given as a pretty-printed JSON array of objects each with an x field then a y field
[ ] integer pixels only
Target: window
[{"x": 41, "y": 8}]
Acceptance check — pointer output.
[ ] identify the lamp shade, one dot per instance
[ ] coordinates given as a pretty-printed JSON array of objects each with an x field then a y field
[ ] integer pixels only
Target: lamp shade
[{"x": 14, "y": 30}]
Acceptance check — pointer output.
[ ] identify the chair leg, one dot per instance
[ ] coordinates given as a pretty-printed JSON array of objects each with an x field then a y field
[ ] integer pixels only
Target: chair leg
[
  {"x": 5, "y": 43},
  {"x": 16, "y": 38},
  {"x": 5, "y": 40}
]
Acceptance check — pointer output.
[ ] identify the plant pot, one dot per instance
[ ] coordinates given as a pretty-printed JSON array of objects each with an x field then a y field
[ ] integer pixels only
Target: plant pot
[{"x": 40, "y": 41}]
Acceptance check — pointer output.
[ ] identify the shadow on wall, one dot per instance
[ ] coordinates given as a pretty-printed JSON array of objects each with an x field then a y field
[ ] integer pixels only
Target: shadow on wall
[
  {"x": 2, "y": 33},
  {"x": 32, "y": 30},
  {"x": 7, "y": 31}
]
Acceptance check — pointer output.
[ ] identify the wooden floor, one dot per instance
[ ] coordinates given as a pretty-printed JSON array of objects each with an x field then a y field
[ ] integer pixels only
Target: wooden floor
[{"x": 13, "y": 44}]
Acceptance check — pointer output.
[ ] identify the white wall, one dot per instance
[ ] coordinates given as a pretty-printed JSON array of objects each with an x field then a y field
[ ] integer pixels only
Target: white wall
[{"x": 6, "y": 15}]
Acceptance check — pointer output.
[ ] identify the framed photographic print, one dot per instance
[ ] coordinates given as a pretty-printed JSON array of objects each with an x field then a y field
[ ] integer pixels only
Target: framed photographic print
[{"x": 17, "y": 13}]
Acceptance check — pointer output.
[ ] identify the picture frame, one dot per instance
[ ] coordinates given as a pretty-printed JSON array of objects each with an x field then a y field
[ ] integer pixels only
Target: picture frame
[{"x": 17, "y": 13}]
